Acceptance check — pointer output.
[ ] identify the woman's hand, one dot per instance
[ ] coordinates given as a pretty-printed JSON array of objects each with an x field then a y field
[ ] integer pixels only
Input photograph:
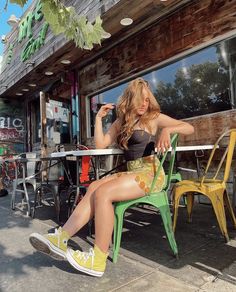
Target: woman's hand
[
  {"x": 104, "y": 110},
  {"x": 163, "y": 143}
]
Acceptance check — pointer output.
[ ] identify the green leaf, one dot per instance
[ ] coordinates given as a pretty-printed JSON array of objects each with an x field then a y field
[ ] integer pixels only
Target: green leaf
[{"x": 63, "y": 19}]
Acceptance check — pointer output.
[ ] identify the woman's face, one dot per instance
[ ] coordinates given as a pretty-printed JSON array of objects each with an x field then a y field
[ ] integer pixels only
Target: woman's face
[{"x": 145, "y": 103}]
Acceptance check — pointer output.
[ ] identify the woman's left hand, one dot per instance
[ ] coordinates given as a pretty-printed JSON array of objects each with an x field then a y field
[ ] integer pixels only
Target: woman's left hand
[{"x": 163, "y": 143}]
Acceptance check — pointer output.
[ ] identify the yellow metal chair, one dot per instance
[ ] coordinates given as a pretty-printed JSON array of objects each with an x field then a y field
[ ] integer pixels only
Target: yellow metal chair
[{"x": 214, "y": 188}]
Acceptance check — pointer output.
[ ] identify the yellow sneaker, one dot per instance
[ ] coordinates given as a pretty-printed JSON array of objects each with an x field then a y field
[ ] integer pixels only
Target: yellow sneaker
[
  {"x": 52, "y": 244},
  {"x": 92, "y": 262}
]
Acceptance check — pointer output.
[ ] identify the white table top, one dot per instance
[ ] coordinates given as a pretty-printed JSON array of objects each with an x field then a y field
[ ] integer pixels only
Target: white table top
[
  {"x": 89, "y": 152},
  {"x": 115, "y": 151}
]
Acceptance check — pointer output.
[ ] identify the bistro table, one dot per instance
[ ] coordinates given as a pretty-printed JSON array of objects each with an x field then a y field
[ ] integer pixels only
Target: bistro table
[{"x": 97, "y": 153}]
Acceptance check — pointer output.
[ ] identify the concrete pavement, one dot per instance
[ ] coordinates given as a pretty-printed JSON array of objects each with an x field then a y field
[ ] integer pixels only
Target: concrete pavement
[{"x": 145, "y": 262}]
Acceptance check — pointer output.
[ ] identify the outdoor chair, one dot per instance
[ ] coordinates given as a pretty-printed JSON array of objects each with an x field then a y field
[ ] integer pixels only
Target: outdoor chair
[
  {"x": 28, "y": 178},
  {"x": 31, "y": 176},
  {"x": 213, "y": 188},
  {"x": 156, "y": 199}
]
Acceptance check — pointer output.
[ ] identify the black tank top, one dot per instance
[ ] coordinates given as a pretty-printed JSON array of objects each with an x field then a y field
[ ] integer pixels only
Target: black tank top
[{"x": 140, "y": 144}]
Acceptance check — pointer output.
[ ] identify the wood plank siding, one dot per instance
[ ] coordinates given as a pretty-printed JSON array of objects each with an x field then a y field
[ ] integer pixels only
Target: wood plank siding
[
  {"x": 191, "y": 26},
  {"x": 54, "y": 49}
]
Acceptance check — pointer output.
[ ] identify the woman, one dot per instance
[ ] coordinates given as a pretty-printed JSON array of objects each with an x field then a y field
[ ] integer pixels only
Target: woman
[{"x": 135, "y": 130}]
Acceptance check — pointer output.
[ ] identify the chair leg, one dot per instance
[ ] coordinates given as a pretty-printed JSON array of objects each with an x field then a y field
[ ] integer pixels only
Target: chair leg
[
  {"x": 176, "y": 199},
  {"x": 27, "y": 199},
  {"x": 166, "y": 218},
  {"x": 190, "y": 202},
  {"x": 118, "y": 226},
  {"x": 13, "y": 196},
  {"x": 230, "y": 208},
  {"x": 35, "y": 202},
  {"x": 218, "y": 205}
]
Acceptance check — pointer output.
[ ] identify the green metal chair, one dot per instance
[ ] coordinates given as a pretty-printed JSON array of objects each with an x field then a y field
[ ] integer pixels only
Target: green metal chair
[{"x": 157, "y": 199}]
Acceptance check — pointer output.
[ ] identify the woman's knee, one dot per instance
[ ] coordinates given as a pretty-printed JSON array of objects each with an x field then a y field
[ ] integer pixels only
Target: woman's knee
[{"x": 101, "y": 195}]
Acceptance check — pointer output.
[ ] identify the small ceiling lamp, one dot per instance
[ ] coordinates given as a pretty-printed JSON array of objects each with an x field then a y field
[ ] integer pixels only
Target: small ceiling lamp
[
  {"x": 31, "y": 63},
  {"x": 106, "y": 35},
  {"x": 13, "y": 20},
  {"x": 25, "y": 89},
  {"x": 65, "y": 62},
  {"x": 32, "y": 84},
  {"x": 3, "y": 39},
  {"x": 19, "y": 93},
  {"x": 48, "y": 73},
  {"x": 126, "y": 21}
]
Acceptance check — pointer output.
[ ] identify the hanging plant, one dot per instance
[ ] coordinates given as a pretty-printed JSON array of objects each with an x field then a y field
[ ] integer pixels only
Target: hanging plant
[{"x": 65, "y": 20}]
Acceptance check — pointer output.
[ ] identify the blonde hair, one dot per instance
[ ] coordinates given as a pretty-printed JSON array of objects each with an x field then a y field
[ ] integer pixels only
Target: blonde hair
[{"x": 127, "y": 105}]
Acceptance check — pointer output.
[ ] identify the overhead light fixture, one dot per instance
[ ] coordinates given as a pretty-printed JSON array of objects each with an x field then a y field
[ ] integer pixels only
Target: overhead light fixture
[
  {"x": 87, "y": 48},
  {"x": 126, "y": 21},
  {"x": 25, "y": 89},
  {"x": 30, "y": 63},
  {"x": 19, "y": 93},
  {"x": 106, "y": 35},
  {"x": 48, "y": 73},
  {"x": 3, "y": 39},
  {"x": 32, "y": 84},
  {"x": 65, "y": 62},
  {"x": 13, "y": 20}
]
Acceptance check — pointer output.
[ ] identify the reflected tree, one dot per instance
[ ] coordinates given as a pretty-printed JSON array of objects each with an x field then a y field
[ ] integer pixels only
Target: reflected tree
[{"x": 200, "y": 90}]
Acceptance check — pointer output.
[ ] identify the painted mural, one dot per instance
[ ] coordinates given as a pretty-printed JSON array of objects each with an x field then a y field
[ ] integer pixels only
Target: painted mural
[{"x": 12, "y": 127}]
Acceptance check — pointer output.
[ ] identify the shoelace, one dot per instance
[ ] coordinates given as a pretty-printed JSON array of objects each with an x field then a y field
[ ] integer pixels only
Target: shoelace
[{"x": 86, "y": 255}]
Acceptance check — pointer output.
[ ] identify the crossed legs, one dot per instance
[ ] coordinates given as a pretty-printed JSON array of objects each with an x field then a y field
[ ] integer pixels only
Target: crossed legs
[{"x": 97, "y": 203}]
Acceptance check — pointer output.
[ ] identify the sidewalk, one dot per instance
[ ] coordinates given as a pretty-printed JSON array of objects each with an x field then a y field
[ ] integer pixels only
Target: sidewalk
[{"x": 145, "y": 262}]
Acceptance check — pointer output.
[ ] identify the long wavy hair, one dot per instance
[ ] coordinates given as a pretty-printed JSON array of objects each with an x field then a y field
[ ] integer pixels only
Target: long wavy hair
[{"x": 127, "y": 106}]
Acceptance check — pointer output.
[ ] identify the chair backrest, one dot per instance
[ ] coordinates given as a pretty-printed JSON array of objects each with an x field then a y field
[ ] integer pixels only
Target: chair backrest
[
  {"x": 31, "y": 165},
  {"x": 228, "y": 155},
  {"x": 174, "y": 140}
]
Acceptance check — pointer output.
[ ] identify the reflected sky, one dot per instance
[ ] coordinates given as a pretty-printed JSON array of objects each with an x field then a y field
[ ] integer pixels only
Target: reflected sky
[{"x": 165, "y": 74}]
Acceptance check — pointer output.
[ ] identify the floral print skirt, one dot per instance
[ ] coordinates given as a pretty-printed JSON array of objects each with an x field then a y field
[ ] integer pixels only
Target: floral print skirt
[{"x": 145, "y": 169}]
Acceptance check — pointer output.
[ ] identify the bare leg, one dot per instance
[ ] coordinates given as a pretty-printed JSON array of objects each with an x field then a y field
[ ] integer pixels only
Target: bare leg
[
  {"x": 120, "y": 189},
  {"x": 84, "y": 211}
]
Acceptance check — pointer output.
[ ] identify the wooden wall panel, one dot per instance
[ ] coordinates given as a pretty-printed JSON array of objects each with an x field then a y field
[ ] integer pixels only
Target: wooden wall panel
[
  {"x": 17, "y": 69},
  {"x": 192, "y": 25}
]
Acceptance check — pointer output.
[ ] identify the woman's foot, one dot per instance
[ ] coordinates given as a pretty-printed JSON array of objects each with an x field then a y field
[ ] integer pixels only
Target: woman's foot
[
  {"x": 92, "y": 262},
  {"x": 52, "y": 244}
]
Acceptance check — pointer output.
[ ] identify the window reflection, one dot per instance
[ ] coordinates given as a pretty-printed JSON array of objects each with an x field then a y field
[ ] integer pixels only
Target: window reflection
[{"x": 199, "y": 84}]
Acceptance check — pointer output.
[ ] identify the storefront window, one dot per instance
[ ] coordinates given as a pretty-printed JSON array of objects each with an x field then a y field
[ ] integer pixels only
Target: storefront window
[
  {"x": 198, "y": 84},
  {"x": 58, "y": 123}
]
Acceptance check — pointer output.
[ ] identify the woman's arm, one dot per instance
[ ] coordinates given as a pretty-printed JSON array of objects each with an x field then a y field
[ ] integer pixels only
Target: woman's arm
[
  {"x": 170, "y": 126},
  {"x": 104, "y": 140}
]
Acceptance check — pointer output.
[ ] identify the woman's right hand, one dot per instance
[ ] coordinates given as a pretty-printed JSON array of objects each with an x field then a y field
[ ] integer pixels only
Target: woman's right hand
[{"x": 104, "y": 110}]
